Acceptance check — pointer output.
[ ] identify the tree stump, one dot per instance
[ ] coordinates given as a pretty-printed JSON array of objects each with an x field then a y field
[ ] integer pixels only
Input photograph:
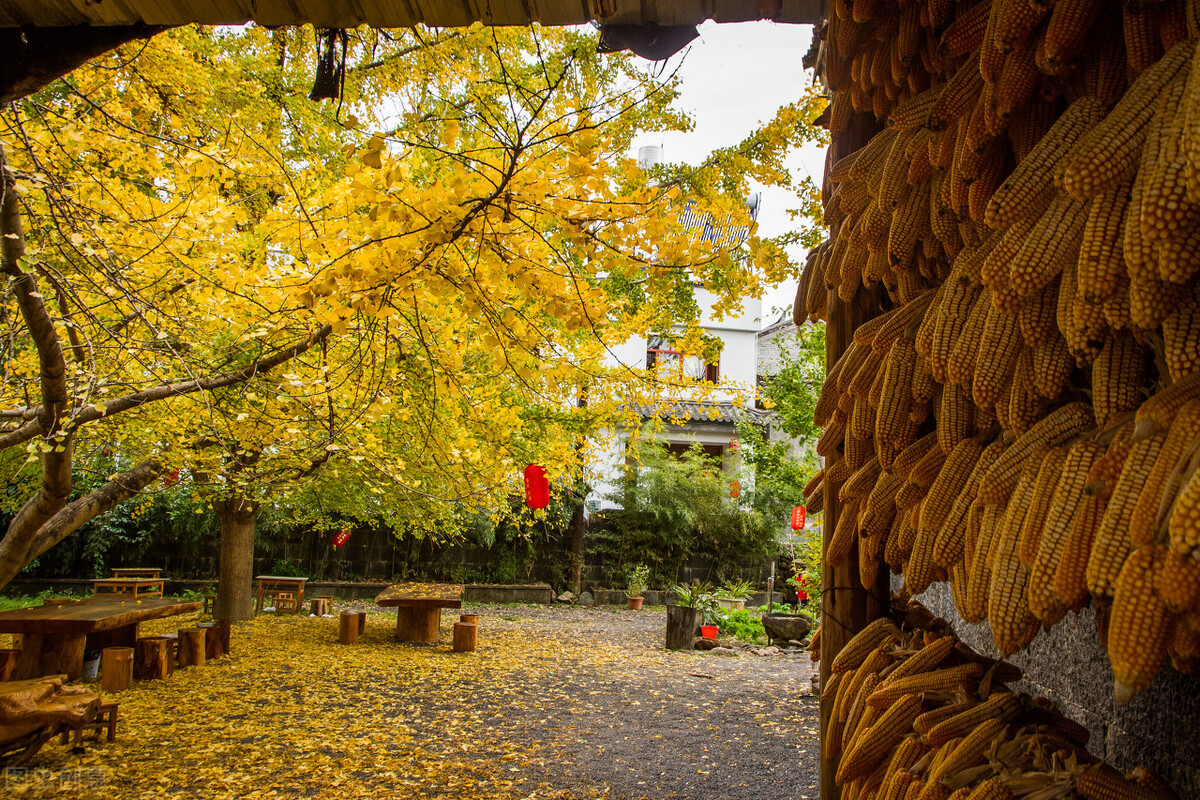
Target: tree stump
[
  {"x": 466, "y": 635},
  {"x": 152, "y": 658},
  {"x": 191, "y": 647},
  {"x": 216, "y": 639},
  {"x": 682, "y": 622},
  {"x": 418, "y": 624},
  {"x": 319, "y": 606},
  {"x": 471, "y": 618},
  {"x": 362, "y": 622},
  {"x": 348, "y": 627},
  {"x": 8, "y": 663},
  {"x": 116, "y": 669}
]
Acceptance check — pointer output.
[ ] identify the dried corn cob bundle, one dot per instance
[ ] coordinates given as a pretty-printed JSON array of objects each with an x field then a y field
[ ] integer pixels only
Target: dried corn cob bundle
[
  {"x": 1059, "y": 427},
  {"x": 1108, "y": 153},
  {"x": 1141, "y": 625},
  {"x": 1118, "y": 375},
  {"x": 1013, "y": 624},
  {"x": 1157, "y": 495},
  {"x": 1112, "y": 542}
]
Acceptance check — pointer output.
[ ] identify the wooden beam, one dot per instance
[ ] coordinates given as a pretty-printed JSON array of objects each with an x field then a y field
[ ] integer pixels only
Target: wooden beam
[
  {"x": 846, "y": 605},
  {"x": 31, "y": 57}
]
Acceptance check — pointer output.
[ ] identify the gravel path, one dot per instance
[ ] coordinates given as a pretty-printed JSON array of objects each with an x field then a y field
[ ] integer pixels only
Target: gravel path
[{"x": 657, "y": 725}]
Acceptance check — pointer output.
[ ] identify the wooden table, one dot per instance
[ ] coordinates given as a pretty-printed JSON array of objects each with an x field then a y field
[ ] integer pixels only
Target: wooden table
[
  {"x": 135, "y": 587},
  {"x": 54, "y": 636},
  {"x": 273, "y": 584},
  {"x": 419, "y": 608},
  {"x": 136, "y": 572}
]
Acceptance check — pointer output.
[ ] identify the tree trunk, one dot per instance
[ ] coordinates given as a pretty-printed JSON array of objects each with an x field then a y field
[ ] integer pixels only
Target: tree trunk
[
  {"x": 235, "y": 587},
  {"x": 578, "y": 526},
  {"x": 682, "y": 622}
]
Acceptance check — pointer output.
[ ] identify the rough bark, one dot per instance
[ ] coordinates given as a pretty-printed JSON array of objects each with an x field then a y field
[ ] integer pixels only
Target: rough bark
[
  {"x": 578, "y": 526},
  {"x": 30, "y": 58},
  {"x": 235, "y": 587}
]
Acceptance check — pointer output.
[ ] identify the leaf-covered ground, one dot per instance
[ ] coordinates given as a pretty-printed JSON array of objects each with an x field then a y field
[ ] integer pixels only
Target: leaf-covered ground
[{"x": 556, "y": 703}]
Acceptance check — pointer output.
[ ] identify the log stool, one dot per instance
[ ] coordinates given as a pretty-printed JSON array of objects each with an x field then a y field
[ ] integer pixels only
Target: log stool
[
  {"x": 116, "y": 669},
  {"x": 319, "y": 607},
  {"x": 328, "y": 598},
  {"x": 472, "y": 618},
  {"x": 216, "y": 639},
  {"x": 466, "y": 635},
  {"x": 191, "y": 647},
  {"x": 152, "y": 658},
  {"x": 362, "y": 622},
  {"x": 105, "y": 720},
  {"x": 348, "y": 627},
  {"x": 8, "y": 663}
]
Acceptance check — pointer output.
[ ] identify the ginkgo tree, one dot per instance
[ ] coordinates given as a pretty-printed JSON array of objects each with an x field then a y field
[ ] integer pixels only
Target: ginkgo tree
[{"x": 407, "y": 292}]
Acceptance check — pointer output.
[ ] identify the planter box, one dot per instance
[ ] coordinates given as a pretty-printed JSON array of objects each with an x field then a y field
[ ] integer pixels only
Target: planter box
[{"x": 731, "y": 605}]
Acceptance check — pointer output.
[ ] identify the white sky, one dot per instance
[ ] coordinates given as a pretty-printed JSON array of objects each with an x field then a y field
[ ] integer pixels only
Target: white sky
[{"x": 735, "y": 76}]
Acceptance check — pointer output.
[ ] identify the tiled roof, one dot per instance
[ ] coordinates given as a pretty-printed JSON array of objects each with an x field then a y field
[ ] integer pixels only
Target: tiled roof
[{"x": 704, "y": 412}]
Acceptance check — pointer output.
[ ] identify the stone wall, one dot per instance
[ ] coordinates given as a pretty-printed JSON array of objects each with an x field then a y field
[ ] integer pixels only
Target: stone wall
[{"x": 1068, "y": 665}]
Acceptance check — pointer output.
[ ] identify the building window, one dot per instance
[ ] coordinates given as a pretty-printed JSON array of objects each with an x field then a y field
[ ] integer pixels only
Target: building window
[{"x": 661, "y": 353}]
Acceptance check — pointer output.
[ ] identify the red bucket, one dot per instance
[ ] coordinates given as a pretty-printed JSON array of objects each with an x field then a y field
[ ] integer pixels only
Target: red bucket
[{"x": 709, "y": 631}]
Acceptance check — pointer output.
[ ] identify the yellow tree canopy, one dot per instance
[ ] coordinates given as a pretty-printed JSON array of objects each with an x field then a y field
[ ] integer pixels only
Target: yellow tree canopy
[{"x": 409, "y": 289}]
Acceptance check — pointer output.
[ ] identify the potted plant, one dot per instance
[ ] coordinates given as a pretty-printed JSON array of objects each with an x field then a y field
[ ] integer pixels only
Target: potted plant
[
  {"x": 734, "y": 594},
  {"x": 685, "y": 614},
  {"x": 635, "y": 585}
]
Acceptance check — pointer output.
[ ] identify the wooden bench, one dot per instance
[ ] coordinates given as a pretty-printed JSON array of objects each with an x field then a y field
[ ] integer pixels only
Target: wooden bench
[{"x": 105, "y": 720}]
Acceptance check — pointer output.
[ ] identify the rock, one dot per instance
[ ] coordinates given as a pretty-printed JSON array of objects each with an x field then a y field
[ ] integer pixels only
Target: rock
[
  {"x": 798, "y": 642},
  {"x": 786, "y": 626},
  {"x": 704, "y": 644},
  {"x": 815, "y": 691},
  {"x": 566, "y": 597},
  {"x": 723, "y": 651},
  {"x": 587, "y": 599}
]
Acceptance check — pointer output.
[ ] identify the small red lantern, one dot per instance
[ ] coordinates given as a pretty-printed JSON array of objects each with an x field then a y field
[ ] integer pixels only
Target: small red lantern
[
  {"x": 340, "y": 538},
  {"x": 797, "y": 518},
  {"x": 735, "y": 489},
  {"x": 537, "y": 487}
]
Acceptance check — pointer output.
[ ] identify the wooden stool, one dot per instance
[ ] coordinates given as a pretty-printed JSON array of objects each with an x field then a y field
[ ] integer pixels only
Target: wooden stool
[
  {"x": 152, "y": 658},
  {"x": 471, "y": 618},
  {"x": 348, "y": 627},
  {"x": 173, "y": 640},
  {"x": 116, "y": 669},
  {"x": 210, "y": 603},
  {"x": 191, "y": 647},
  {"x": 216, "y": 639},
  {"x": 8, "y": 663},
  {"x": 105, "y": 720},
  {"x": 286, "y": 601},
  {"x": 362, "y": 622},
  {"x": 466, "y": 635},
  {"x": 319, "y": 606}
]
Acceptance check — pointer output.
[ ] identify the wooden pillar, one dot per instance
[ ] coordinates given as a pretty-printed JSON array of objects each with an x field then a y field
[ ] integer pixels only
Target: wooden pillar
[
  {"x": 8, "y": 663},
  {"x": 116, "y": 669},
  {"x": 846, "y": 605},
  {"x": 466, "y": 636},
  {"x": 348, "y": 627},
  {"x": 191, "y": 647},
  {"x": 152, "y": 658}
]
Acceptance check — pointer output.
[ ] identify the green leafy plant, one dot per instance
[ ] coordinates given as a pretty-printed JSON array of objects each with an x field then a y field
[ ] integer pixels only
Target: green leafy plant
[
  {"x": 636, "y": 580},
  {"x": 690, "y": 594},
  {"x": 740, "y": 625},
  {"x": 736, "y": 590}
]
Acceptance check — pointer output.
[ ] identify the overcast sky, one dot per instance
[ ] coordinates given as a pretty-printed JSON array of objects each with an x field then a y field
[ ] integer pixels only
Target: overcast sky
[{"x": 735, "y": 76}]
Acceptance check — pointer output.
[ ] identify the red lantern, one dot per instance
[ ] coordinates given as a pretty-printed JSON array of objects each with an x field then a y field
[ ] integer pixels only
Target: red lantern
[
  {"x": 735, "y": 489},
  {"x": 172, "y": 477},
  {"x": 340, "y": 538},
  {"x": 537, "y": 487},
  {"x": 797, "y": 518}
]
